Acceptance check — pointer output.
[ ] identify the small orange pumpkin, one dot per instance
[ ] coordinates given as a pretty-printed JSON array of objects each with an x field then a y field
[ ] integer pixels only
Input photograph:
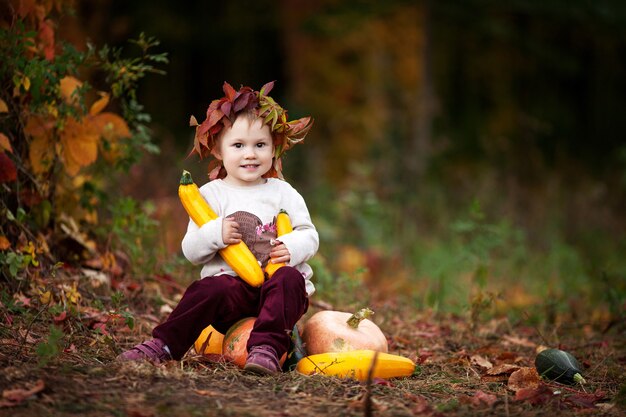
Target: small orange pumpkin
[
  {"x": 335, "y": 331},
  {"x": 235, "y": 340},
  {"x": 209, "y": 343}
]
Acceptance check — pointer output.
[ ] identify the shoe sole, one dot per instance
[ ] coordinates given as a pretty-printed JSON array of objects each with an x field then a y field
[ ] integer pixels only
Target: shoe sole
[{"x": 258, "y": 369}]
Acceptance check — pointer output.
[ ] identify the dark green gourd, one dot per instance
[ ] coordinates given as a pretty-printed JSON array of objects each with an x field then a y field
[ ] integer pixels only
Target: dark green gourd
[{"x": 560, "y": 366}]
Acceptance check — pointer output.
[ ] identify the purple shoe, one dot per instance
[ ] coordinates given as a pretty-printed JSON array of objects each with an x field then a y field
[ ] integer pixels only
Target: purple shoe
[
  {"x": 262, "y": 360},
  {"x": 152, "y": 350}
]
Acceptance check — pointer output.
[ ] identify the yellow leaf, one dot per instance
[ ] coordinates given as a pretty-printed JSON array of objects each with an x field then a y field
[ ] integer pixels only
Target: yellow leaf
[
  {"x": 111, "y": 128},
  {"x": 40, "y": 151},
  {"x": 68, "y": 86},
  {"x": 45, "y": 297},
  {"x": 71, "y": 293},
  {"x": 26, "y": 83},
  {"x": 3, "y": 106},
  {"x": 4, "y": 243},
  {"x": 80, "y": 145},
  {"x": 5, "y": 144},
  {"x": 100, "y": 104}
]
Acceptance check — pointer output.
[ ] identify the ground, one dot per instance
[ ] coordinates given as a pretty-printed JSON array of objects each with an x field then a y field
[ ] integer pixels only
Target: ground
[{"x": 461, "y": 369}]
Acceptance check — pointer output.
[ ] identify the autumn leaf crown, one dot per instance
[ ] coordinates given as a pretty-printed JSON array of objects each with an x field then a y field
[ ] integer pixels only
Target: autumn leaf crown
[{"x": 223, "y": 112}]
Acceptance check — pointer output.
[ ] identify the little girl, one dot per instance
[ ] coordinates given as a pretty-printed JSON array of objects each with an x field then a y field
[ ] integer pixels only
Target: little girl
[{"x": 246, "y": 132}]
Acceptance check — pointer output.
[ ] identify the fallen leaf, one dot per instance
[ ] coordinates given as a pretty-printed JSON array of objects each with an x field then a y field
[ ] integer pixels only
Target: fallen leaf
[
  {"x": 421, "y": 407},
  {"x": 61, "y": 317},
  {"x": 524, "y": 378},
  {"x": 499, "y": 373},
  {"x": 45, "y": 296},
  {"x": 535, "y": 396},
  {"x": 481, "y": 361},
  {"x": 3, "y": 106},
  {"x": 21, "y": 299},
  {"x": 585, "y": 400},
  {"x": 13, "y": 397},
  {"x": 101, "y": 327},
  {"x": 483, "y": 397},
  {"x": 521, "y": 341},
  {"x": 503, "y": 369},
  {"x": 423, "y": 355},
  {"x": 207, "y": 392}
]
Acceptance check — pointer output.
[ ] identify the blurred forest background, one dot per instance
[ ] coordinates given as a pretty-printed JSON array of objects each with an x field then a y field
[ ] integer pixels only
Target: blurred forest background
[{"x": 467, "y": 155}]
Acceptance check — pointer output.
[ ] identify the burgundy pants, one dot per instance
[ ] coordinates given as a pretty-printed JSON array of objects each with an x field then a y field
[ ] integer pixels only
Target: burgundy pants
[{"x": 222, "y": 300}]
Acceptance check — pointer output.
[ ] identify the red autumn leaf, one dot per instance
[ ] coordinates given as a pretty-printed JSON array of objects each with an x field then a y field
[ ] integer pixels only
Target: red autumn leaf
[
  {"x": 424, "y": 354},
  {"x": 21, "y": 299},
  {"x": 225, "y": 108},
  {"x": 30, "y": 197},
  {"x": 298, "y": 129},
  {"x": 214, "y": 118},
  {"x": 101, "y": 327},
  {"x": 483, "y": 397},
  {"x": 585, "y": 400},
  {"x": 229, "y": 91},
  {"x": 61, "y": 317},
  {"x": 383, "y": 382},
  {"x": 535, "y": 396},
  {"x": 8, "y": 172},
  {"x": 265, "y": 90},
  {"x": 246, "y": 99}
]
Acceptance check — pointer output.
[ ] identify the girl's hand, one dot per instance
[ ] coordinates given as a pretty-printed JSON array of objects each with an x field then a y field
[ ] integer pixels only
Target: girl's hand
[
  {"x": 230, "y": 231},
  {"x": 279, "y": 253}
]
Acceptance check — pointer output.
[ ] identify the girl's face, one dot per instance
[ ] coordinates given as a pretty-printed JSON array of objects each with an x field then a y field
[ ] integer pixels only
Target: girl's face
[{"x": 246, "y": 150}]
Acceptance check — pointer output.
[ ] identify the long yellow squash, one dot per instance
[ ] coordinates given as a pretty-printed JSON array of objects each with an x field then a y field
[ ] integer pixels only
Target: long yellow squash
[
  {"x": 237, "y": 256},
  {"x": 283, "y": 226},
  {"x": 356, "y": 364}
]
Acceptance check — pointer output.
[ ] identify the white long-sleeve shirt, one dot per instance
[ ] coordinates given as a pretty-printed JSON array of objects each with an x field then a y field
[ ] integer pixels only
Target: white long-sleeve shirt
[{"x": 255, "y": 209}]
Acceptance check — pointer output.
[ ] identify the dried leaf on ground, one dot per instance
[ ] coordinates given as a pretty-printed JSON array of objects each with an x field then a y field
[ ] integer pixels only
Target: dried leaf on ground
[
  {"x": 481, "y": 361},
  {"x": 13, "y": 397},
  {"x": 500, "y": 373},
  {"x": 479, "y": 398},
  {"x": 535, "y": 396},
  {"x": 516, "y": 340},
  {"x": 585, "y": 400},
  {"x": 524, "y": 378}
]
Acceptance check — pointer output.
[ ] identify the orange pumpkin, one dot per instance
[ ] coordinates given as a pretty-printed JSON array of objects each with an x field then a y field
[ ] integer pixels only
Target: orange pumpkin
[
  {"x": 235, "y": 340},
  {"x": 336, "y": 331},
  {"x": 209, "y": 343}
]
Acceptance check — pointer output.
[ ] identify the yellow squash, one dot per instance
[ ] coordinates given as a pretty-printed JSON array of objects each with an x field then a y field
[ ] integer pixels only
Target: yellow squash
[
  {"x": 283, "y": 226},
  {"x": 237, "y": 256},
  {"x": 356, "y": 364}
]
